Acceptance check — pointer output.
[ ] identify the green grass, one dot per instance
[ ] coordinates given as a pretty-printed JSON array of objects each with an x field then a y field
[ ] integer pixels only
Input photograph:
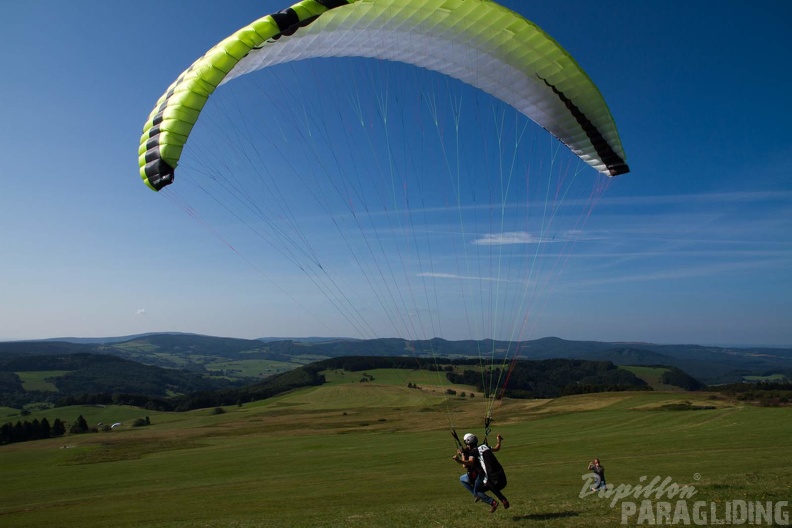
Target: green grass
[
  {"x": 239, "y": 369},
  {"x": 37, "y": 380},
  {"x": 93, "y": 414},
  {"x": 397, "y": 377},
  {"x": 371, "y": 454},
  {"x": 250, "y": 368},
  {"x": 651, "y": 375},
  {"x": 6, "y": 413}
]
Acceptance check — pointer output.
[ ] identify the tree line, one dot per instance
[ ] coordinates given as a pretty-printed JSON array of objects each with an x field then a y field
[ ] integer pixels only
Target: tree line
[
  {"x": 37, "y": 430},
  {"x": 551, "y": 378},
  {"x": 305, "y": 376},
  {"x": 97, "y": 373},
  {"x": 26, "y": 431},
  {"x": 765, "y": 393},
  {"x": 41, "y": 429}
]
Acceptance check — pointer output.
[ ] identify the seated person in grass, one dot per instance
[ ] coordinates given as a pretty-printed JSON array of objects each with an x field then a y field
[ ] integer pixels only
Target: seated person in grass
[{"x": 599, "y": 471}]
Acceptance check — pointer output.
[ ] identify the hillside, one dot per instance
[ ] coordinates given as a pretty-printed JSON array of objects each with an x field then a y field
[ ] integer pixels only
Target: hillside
[
  {"x": 525, "y": 379},
  {"x": 80, "y": 373},
  {"x": 213, "y": 470},
  {"x": 249, "y": 359},
  {"x": 103, "y": 379}
]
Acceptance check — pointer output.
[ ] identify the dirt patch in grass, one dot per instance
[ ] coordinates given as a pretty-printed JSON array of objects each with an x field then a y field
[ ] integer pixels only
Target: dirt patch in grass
[{"x": 131, "y": 449}]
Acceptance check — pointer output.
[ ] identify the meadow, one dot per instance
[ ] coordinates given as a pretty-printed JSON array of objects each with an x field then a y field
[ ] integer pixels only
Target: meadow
[
  {"x": 39, "y": 380},
  {"x": 379, "y": 454}
]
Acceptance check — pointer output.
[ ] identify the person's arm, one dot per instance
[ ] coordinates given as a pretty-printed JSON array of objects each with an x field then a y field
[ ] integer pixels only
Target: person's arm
[
  {"x": 462, "y": 458},
  {"x": 466, "y": 459},
  {"x": 498, "y": 445}
]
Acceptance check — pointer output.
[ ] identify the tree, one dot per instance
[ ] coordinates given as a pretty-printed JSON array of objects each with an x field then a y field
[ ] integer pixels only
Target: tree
[
  {"x": 58, "y": 429},
  {"x": 80, "y": 426},
  {"x": 6, "y": 433},
  {"x": 45, "y": 429},
  {"x": 18, "y": 433}
]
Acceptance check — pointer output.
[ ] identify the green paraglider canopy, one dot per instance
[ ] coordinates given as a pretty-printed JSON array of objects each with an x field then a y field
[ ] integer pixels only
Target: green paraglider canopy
[{"x": 476, "y": 41}]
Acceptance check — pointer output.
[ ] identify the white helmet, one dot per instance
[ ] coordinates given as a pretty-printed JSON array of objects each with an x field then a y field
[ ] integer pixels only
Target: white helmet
[{"x": 470, "y": 439}]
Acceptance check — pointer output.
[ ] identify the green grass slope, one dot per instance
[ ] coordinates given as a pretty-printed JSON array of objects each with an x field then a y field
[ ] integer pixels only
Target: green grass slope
[
  {"x": 652, "y": 376},
  {"x": 371, "y": 454}
]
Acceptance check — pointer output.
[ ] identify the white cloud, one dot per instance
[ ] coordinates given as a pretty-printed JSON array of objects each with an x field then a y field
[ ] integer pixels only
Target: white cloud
[
  {"x": 141, "y": 311},
  {"x": 461, "y": 277},
  {"x": 513, "y": 237}
]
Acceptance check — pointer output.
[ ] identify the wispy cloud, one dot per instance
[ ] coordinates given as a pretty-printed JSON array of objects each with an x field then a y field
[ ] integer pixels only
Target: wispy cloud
[
  {"x": 524, "y": 237},
  {"x": 141, "y": 311},
  {"x": 461, "y": 277},
  {"x": 498, "y": 239}
]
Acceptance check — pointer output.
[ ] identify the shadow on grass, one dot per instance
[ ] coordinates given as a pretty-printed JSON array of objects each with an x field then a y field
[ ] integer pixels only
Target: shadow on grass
[{"x": 545, "y": 516}]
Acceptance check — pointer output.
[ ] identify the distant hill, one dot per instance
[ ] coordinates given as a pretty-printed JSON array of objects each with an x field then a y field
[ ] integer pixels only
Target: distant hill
[
  {"x": 121, "y": 339},
  {"x": 77, "y": 373},
  {"x": 115, "y": 372},
  {"x": 711, "y": 365},
  {"x": 307, "y": 339},
  {"x": 631, "y": 356},
  {"x": 184, "y": 345},
  {"x": 101, "y": 340}
]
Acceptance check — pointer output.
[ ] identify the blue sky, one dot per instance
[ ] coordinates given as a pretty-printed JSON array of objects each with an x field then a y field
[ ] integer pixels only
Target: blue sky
[{"x": 693, "y": 246}]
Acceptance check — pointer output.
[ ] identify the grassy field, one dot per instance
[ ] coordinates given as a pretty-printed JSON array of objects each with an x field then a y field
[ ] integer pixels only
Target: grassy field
[
  {"x": 651, "y": 375},
  {"x": 37, "y": 380},
  {"x": 378, "y": 454},
  {"x": 249, "y": 368}
]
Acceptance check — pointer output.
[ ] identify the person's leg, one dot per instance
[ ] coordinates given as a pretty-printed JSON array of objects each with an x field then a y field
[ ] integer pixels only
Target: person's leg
[
  {"x": 501, "y": 497},
  {"x": 465, "y": 480},
  {"x": 478, "y": 490}
]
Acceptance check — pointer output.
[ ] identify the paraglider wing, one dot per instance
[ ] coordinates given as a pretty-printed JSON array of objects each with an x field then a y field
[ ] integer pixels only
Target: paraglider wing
[{"x": 476, "y": 41}]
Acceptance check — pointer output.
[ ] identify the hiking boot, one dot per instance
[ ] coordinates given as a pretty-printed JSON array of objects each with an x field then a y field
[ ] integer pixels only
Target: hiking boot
[
  {"x": 505, "y": 504},
  {"x": 494, "y": 506}
]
